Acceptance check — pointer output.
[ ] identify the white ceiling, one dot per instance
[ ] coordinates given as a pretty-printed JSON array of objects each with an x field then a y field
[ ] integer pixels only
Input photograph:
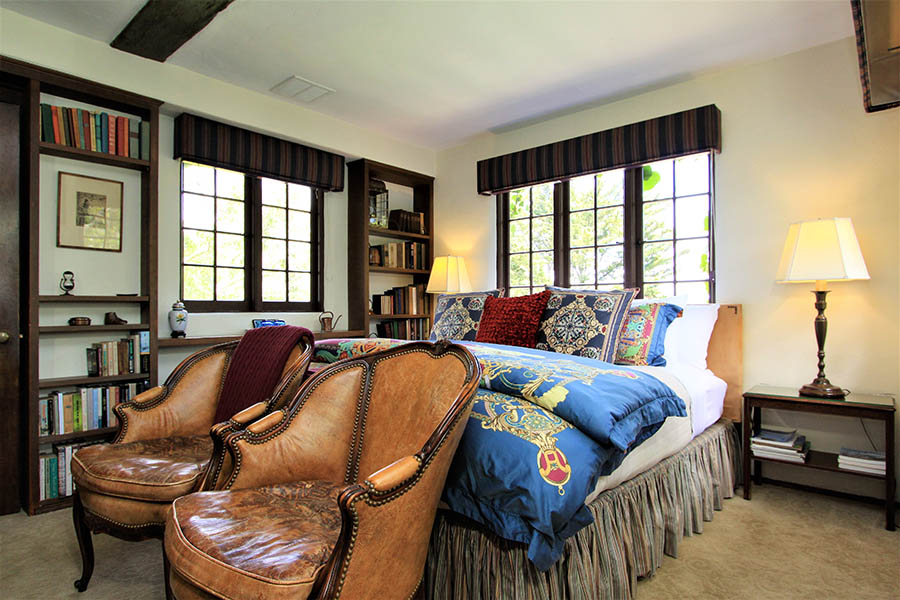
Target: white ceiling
[{"x": 436, "y": 73}]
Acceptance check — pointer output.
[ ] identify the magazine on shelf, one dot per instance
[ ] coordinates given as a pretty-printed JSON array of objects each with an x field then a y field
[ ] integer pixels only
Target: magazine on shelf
[
  {"x": 777, "y": 437},
  {"x": 862, "y": 469},
  {"x": 872, "y": 455}
]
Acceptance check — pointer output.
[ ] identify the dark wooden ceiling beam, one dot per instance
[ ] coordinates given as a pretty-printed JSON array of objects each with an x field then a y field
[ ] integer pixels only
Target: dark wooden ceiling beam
[{"x": 162, "y": 26}]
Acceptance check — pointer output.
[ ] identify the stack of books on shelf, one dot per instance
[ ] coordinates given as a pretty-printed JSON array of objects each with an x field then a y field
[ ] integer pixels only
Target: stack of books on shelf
[
  {"x": 407, "y": 220},
  {"x": 862, "y": 461},
  {"x": 402, "y": 300},
  {"x": 84, "y": 409},
  {"x": 780, "y": 445},
  {"x": 95, "y": 131},
  {"x": 399, "y": 255},
  {"x": 128, "y": 355},
  {"x": 54, "y": 464}
]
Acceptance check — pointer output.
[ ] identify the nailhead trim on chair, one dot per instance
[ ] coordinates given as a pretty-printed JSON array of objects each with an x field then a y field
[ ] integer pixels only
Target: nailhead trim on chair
[{"x": 375, "y": 503}]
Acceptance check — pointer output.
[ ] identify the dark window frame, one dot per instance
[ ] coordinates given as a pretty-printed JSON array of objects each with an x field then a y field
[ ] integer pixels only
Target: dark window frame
[
  {"x": 632, "y": 235},
  {"x": 253, "y": 301}
]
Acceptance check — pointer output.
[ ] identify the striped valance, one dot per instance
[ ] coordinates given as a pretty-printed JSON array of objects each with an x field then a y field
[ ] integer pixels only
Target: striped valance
[
  {"x": 673, "y": 135},
  {"x": 221, "y": 145}
]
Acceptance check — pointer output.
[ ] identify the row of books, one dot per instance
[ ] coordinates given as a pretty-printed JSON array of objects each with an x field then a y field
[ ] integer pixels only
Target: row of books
[
  {"x": 407, "y": 220},
  {"x": 55, "y": 471},
  {"x": 83, "y": 409},
  {"x": 780, "y": 445},
  {"x": 95, "y": 131},
  {"x": 128, "y": 355},
  {"x": 402, "y": 300},
  {"x": 404, "y": 329},
  {"x": 862, "y": 461},
  {"x": 400, "y": 255}
]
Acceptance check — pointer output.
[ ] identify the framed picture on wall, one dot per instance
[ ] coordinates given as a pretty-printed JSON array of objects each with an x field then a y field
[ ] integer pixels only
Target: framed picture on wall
[{"x": 89, "y": 214}]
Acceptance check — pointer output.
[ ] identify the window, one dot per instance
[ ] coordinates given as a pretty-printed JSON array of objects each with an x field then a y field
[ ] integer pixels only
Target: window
[
  {"x": 647, "y": 227},
  {"x": 248, "y": 243},
  {"x": 531, "y": 264}
]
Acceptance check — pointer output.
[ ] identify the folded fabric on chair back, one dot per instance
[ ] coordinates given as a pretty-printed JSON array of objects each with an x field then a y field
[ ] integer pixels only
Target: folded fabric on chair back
[{"x": 256, "y": 367}]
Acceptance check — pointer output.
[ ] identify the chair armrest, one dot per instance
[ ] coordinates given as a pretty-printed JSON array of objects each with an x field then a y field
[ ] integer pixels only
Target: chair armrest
[
  {"x": 393, "y": 475},
  {"x": 184, "y": 406},
  {"x": 220, "y": 461}
]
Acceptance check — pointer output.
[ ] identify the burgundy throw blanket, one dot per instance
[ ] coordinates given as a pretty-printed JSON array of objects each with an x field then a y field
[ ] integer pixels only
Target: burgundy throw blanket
[{"x": 256, "y": 367}]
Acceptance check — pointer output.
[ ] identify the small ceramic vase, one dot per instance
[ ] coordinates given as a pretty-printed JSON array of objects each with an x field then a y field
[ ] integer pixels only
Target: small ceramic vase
[{"x": 178, "y": 318}]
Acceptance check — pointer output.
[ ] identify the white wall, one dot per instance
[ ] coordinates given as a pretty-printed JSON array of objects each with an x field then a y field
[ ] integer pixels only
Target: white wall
[
  {"x": 797, "y": 145},
  {"x": 98, "y": 273}
]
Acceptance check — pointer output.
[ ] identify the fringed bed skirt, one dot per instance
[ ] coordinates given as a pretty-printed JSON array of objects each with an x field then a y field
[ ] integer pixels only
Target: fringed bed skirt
[{"x": 634, "y": 524}]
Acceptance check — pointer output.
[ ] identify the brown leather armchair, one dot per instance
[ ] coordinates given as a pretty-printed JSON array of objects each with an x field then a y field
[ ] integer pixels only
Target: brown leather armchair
[
  {"x": 294, "y": 519},
  {"x": 164, "y": 446}
]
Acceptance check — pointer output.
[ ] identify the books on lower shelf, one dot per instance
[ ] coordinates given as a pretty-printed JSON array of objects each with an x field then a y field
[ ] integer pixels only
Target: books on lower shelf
[
  {"x": 780, "y": 445},
  {"x": 95, "y": 131},
  {"x": 128, "y": 355},
  {"x": 402, "y": 300},
  {"x": 84, "y": 409},
  {"x": 862, "y": 461},
  {"x": 55, "y": 471},
  {"x": 404, "y": 329}
]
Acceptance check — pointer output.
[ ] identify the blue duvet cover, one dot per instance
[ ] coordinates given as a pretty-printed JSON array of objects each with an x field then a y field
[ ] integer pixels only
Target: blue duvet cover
[{"x": 543, "y": 428}]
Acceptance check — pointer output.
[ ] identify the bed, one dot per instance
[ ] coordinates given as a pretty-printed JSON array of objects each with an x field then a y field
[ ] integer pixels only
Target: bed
[{"x": 665, "y": 479}]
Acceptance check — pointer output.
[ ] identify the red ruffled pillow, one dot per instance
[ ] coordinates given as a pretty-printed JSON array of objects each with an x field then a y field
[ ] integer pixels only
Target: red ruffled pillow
[{"x": 512, "y": 321}]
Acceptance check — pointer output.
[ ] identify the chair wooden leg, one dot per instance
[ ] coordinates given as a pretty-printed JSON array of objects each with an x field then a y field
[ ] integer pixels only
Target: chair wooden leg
[
  {"x": 166, "y": 569},
  {"x": 85, "y": 543}
]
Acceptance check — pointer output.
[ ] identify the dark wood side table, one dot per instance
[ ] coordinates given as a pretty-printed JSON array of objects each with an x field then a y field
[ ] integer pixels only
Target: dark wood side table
[{"x": 863, "y": 405}]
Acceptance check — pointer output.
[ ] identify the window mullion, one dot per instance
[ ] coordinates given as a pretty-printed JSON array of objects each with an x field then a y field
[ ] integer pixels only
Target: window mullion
[
  {"x": 633, "y": 226},
  {"x": 503, "y": 241},
  {"x": 561, "y": 234},
  {"x": 254, "y": 209}
]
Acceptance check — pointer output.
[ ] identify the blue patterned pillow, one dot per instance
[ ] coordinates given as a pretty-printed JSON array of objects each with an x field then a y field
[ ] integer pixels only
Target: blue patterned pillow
[
  {"x": 456, "y": 316},
  {"x": 584, "y": 322}
]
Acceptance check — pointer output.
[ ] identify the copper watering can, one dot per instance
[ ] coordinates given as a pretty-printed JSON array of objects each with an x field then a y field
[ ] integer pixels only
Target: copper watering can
[{"x": 327, "y": 320}]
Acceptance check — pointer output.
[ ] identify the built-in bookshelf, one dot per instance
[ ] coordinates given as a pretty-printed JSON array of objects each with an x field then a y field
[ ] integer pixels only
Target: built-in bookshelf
[
  {"x": 371, "y": 248},
  {"x": 93, "y": 104}
]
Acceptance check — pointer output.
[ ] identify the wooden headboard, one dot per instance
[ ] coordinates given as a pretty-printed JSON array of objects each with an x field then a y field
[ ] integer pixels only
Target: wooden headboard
[{"x": 725, "y": 356}]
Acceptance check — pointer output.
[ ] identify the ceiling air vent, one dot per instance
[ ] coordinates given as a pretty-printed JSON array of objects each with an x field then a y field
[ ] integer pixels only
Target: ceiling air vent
[{"x": 301, "y": 89}]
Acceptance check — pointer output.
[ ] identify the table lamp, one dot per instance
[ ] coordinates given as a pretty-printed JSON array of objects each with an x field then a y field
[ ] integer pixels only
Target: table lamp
[
  {"x": 449, "y": 276},
  {"x": 820, "y": 251}
]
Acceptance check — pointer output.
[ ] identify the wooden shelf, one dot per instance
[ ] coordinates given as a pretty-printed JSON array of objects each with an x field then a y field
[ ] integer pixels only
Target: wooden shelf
[
  {"x": 211, "y": 340},
  {"x": 91, "y": 381},
  {"x": 376, "y": 269},
  {"x": 92, "y": 328},
  {"x": 391, "y": 317},
  {"x": 825, "y": 461},
  {"x": 92, "y": 156},
  {"x": 91, "y": 299},
  {"x": 77, "y": 435},
  {"x": 400, "y": 235}
]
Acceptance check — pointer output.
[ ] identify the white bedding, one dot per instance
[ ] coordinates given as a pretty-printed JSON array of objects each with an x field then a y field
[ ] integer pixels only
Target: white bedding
[{"x": 703, "y": 394}]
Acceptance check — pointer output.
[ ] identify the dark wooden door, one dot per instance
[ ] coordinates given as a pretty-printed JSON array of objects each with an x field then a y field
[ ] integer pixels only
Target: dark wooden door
[{"x": 10, "y": 290}]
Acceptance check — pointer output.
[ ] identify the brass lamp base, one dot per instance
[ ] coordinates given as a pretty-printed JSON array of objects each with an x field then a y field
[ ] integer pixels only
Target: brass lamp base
[{"x": 822, "y": 389}]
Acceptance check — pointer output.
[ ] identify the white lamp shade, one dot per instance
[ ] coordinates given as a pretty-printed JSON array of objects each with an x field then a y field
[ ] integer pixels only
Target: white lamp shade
[
  {"x": 821, "y": 250},
  {"x": 449, "y": 276}
]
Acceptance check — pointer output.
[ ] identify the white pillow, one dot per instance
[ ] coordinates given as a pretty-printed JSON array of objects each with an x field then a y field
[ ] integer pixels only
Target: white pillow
[{"x": 687, "y": 337}]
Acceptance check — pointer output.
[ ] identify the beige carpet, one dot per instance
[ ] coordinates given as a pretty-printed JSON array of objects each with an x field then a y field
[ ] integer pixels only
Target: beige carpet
[{"x": 783, "y": 544}]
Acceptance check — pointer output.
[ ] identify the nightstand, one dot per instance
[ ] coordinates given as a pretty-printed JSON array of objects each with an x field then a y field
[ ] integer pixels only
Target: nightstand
[{"x": 866, "y": 406}]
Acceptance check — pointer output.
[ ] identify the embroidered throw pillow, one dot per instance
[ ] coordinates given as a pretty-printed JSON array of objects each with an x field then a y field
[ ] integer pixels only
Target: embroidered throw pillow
[
  {"x": 512, "y": 321},
  {"x": 584, "y": 322},
  {"x": 456, "y": 316},
  {"x": 643, "y": 339}
]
